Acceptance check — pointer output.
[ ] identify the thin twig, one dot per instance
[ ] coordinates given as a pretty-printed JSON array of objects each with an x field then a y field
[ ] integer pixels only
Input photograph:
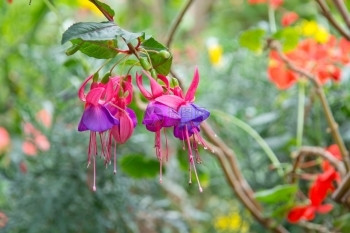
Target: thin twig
[
  {"x": 326, "y": 12},
  {"x": 315, "y": 227},
  {"x": 318, "y": 151},
  {"x": 321, "y": 95},
  {"x": 177, "y": 22},
  {"x": 340, "y": 4},
  {"x": 344, "y": 187}
]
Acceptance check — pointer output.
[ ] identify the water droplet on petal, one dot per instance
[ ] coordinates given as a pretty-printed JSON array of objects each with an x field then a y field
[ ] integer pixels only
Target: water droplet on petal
[
  {"x": 215, "y": 135},
  {"x": 205, "y": 148}
]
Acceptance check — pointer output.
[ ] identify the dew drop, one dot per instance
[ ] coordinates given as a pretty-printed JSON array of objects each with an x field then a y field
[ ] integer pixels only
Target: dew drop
[
  {"x": 215, "y": 135},
  {"x": 205, "y": 148}
]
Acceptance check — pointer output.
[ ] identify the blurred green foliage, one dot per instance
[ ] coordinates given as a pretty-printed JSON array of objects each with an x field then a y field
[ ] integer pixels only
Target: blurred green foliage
[{"x": 54, "y": 194}]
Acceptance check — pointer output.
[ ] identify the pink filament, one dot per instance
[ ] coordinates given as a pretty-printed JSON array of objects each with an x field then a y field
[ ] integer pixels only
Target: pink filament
[
  {"x": 115, "y": 158},
  {"x": 157, "y": 145},
  {"x": 191, "y": 159},
  {"x": 92, "y": 147},
  {"x": 166, "y": 146},
  {"x": 94, "y": 186}
]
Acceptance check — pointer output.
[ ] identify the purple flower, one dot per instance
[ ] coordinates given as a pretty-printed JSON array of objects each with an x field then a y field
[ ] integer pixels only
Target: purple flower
[
  {"x": 158, "y": 115},
  {"x": 191, "y": 117}
]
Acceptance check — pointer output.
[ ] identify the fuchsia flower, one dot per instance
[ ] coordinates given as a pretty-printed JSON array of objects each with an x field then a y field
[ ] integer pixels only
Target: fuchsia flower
[
  {"x": 157, "y": 115},
  {"x": 96, "y": 116},
  {"x": 106, "y": 113},
  {"x": 183, "y": 114}
]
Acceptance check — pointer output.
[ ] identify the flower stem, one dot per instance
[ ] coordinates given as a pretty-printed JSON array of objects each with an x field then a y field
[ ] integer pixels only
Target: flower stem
[
  {"x": 248, "y": 129},
  {"x": 301, "y": 112},
  {"x": 272, "y": 19}
]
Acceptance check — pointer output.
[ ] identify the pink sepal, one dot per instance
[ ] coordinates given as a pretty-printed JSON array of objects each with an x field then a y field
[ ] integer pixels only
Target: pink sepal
[
  {"x": 171, "y": 101},
  {"x": 81, "y": 93},
  {"x": 94, "y": 96},
  {"x": 192, "y": 89}
]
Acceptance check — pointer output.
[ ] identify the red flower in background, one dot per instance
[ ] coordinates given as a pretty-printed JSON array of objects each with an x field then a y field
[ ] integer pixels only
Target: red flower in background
[
  {"x": 273, "y": 3},
  {"x": 321, "y": 60},
  {"x": 289, "y": 18},
  {"x": 279, "y": 73},
  {"x": 317, "y": 194},
  {"x": 322, "y": 186}
]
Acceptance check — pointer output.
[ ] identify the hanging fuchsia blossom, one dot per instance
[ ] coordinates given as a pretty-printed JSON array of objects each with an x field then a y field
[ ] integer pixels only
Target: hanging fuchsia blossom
[
  {"x": 157, "y": 116},
  {"x": 190, "y": 115},
  {"x": 106, "y": 113}
]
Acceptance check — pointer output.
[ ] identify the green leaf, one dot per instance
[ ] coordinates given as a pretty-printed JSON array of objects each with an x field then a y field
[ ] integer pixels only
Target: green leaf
[
  {"x": 252, "y": 39},
  {"x": 106, "y": 8},
  {"x": 160, "y": 63},
  {"x": 139, "y": 166},
  {"x": 281, "y": 211},
  {"x": 98, "y": 32},
  {"x": 96, "y": 49},
  {"x": 343, "y": 223},
  {"x": 289, "y": 38},
  {"x": 280, "y": 193}
]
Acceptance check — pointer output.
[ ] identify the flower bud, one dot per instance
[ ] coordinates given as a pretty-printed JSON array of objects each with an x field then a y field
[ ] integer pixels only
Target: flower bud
[
  {"x": 73, "y": 49},
  {"x": 145, "y": 64},
  {"x": 165, "y": 54},
  {"x": 105, "y": 78}
]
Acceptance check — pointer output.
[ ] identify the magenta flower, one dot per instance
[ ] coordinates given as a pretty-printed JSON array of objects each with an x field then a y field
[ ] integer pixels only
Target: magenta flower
[
  {"x": 106, "y": 112},
  {"x": 126, "y": 116},
  {"x": 173, "y": 108},
  {"x": 157, "y": 115},
  {"x": 191, "y": 117},
  {"x": 96, "y": 116}
]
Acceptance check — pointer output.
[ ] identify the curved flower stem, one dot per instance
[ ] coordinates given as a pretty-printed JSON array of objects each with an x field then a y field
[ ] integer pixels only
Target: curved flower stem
[
  {"x": 248, "y": 129},
  {"x": 118, "y": 62},
  {"x": 301, "y": 112},
  {"x": 322, "y": 97},
  {"x": 177, "y": 22}
]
